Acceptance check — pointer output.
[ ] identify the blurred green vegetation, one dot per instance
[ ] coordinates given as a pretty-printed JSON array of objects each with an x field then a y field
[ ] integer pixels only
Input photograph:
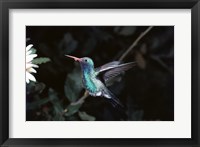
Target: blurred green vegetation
[{"x": 146, "y": 91}]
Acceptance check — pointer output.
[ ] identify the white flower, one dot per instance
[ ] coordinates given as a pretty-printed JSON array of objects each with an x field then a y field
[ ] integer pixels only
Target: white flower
[{"x": 29, "y": 65}]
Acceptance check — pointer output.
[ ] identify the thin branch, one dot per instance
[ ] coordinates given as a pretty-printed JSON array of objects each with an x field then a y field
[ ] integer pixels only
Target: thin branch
[
  {"x": 135, "y": 43},
  {"x": 82, "y": 99},
  {"x": 79, "y": 101}
]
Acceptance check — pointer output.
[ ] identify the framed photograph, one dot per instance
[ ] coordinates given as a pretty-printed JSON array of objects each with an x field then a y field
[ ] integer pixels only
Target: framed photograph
[{"x": 99, "y": 73}]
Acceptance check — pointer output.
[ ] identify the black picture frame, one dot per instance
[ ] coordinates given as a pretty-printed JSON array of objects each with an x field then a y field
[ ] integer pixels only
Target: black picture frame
[{"x": 5, "y": 5}]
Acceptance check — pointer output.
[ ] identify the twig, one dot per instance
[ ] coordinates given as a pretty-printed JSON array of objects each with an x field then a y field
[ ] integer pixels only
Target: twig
[
  {"x": 135, "y": 43},
  {"x": 82, "y": 99}
]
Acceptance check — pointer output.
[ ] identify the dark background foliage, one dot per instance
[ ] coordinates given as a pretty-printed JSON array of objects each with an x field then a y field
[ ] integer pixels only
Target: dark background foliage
[{"x": 146, "y": 91}]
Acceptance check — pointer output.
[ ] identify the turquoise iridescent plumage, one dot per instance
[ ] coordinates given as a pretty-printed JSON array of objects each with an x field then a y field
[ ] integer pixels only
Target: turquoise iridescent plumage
[
  {"x": 88, "y": 78},
  {"x": 91, "y": 80}
]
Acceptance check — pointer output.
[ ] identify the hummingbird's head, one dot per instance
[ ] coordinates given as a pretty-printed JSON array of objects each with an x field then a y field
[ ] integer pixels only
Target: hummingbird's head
[{"x": 85, "y": 62}]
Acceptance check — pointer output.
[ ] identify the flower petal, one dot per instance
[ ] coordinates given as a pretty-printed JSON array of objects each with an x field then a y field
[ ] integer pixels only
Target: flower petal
[
  {"x": 30, "y": 65},
  {"x": 27, "y": 79},
  {"x": 30, "y": 77},
  {"x": 34, "y": 65},
  {"x": 30, "y": 57},
  {"x": 28, "y": 52},
  {"x": 32, "y": 70},
  {"x": 29, "y": 47}
]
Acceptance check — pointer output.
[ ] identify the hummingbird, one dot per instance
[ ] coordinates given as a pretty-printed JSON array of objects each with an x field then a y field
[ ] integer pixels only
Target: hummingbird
[{"x": 92, "y": 81}]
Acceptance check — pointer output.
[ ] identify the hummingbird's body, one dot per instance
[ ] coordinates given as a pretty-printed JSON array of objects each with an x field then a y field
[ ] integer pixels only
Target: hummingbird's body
[{"x": 91, "y": 81}]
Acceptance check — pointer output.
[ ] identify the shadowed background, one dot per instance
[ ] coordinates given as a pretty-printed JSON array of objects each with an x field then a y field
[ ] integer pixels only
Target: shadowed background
[{"x": 146, "y": 91}]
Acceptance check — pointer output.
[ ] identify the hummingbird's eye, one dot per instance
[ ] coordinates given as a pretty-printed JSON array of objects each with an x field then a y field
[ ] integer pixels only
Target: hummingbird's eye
[{"x": 85, "y": 60}]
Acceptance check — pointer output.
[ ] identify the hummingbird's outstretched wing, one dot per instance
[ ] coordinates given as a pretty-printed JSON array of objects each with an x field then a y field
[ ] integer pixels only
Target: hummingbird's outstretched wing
[
  {"x": 113, "y": 69},
  {"x": 111, "y": 73},
  {"x": 107, "y": 66}
]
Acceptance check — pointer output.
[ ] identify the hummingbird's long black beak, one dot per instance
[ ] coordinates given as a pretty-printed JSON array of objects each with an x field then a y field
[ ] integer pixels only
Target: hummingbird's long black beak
[{"x": 75, "y": 58}]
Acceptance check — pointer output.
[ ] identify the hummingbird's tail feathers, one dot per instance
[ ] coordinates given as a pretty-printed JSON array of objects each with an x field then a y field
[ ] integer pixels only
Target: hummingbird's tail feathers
[
  {"x": 112, "y": 98},
  {"x": 117, "y": 70},
  {"x": 115, "y": 102}
]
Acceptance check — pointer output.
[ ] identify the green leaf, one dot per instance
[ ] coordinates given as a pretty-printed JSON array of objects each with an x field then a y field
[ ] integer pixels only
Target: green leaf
[
  {"x": 85, "y": 116},
  {"x": 137, "y": 115},
  {"x": 52, "y": 94},
  {"x": 35, "y": 88},
  {"x": 72, "y": 118},
  {"x": 73, "y": 85},
  {"x": 125, "y": 31},
  {"x": 57, "y": 107},
  {"x": 89, "y": 46},
  {"x": 67, "y": 45},
  {"x": 58, "y": 113},
  {"x": 40, "y": 60},
  {"x": 37, "y": 104},
  {"x": 33, "y": 50},
  {"x": 72, "y": 109}
]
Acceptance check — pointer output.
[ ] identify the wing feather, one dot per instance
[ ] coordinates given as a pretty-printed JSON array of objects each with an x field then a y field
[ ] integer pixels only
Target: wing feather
[
  {"x": 108, "y": 72},
  {"x": 107, "y": 66},
  {"x": 111, "y": 73}
]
